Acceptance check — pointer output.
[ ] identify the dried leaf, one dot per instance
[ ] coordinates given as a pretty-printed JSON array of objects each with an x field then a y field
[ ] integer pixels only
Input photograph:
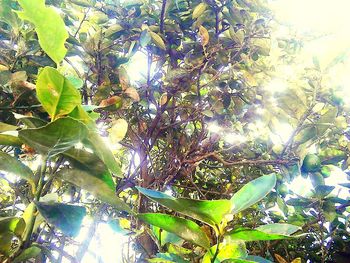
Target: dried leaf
[
  {"x": 132, "y": 93},
  {"x": 280, "y": 259}
]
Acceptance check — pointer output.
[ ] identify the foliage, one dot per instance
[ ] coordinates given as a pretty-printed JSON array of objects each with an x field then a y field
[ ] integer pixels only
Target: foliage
[{"x": 188, "y": 159}]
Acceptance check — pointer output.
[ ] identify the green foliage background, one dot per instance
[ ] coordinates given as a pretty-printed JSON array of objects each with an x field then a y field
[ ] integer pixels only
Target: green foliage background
[{"x": 189, "y": 160}]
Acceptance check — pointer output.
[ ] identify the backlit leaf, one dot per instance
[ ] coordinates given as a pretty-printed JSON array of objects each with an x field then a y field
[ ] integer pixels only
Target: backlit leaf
[
  {"x": 252, "y": 192},
  {"x": 186, "y": 229},
  {"x": 49, "y": 26},
  {"x": 56, "y": 137},
  {"x": 67, "y": 218},
  {"x": 55, "y": 92},
  {"x": 28, "y": 253},
  {"x": 211, "y": 212},
  {"x": 157, "y": 40},
  {"x": 13, "y": 166},
  {"x": 99, "y": 185},
  {"x": 198, "y": 10},
  {"x": 118, "y": 130},
  {"x": 233, "y": 250}
]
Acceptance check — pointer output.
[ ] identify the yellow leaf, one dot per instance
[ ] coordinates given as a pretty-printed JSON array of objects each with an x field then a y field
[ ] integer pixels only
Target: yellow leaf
[
  {"x": 296, "y": 260},
  {"x": 198, "y": 10},
  {"x": 123, "y": 78},
  {"x": 280, "y": 259},
  {"x": 157, "y": 40},
  {"x": 132, "y": 93},
  {"x": 163, "y": 99},
  {"x": 203, "y": 32},
  {"x": 118, "y": 130}
]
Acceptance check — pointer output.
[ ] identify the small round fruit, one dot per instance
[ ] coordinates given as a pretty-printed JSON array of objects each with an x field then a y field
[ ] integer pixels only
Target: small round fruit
[
  {"x": 311, "y": 163},
  {"x": 282, "y": 189},
  {"x": 279, "y": 177},
  {"x": 326, "y": 171}
]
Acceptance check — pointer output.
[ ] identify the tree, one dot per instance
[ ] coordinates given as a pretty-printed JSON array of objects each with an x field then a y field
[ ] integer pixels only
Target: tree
[{"x": 190, "y": 154}]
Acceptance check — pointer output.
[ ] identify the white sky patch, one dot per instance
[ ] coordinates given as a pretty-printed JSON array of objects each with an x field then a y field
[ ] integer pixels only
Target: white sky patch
[
  {"x": 301, "y": 186},
  {"x": 234, "y": 138},
  {"x": 282, "y": 134},
  {"x": 137, "y": 67},
  {"x": 214, "y": 127},
  {"x": 316, "y": 16},
  {"x": 277, "y": 86}
]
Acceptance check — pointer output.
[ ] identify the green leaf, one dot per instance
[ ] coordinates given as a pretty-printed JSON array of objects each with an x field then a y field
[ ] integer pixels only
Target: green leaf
[
  {"x": 210, "y": 212},
  {"x": 8, "y": 15},
  {"x": 99, "y": 185},
  {"x": 258, "y": 259},
  {"x": 30, "y": 122},
  {"x": 145, "y": 38},
  {"x": 165, "y": 237},
  {"x": 265, "y": 232},
  {"x": 99, "y": 147},
  {"x": 56, "y": 93},
  {"x": 198, "y": 10},
  {"x": 252, "y": 192},
  {"x": 56, "y": 137},
  {"x": 76, "y": 82},
  {"x": 49, "y": 26},
  {"x": 167, "y": 257},
  {"x": 235, "y": 249},
  {"x": 7, "y": 127},
  {"x": 113, "y": 29},
  {"x": 67, "y": 218},
  {"x": 15, "y": 225},
  {"x": 28, "y": 253},
  {"x": 186, "y": 229},
  {"x": 10, "y": 140},
  {"x": 11, "y": 165},
  {"x": 157, "y": 40},
  {"x": 84, "y": 3},
  {"x": 278, "y": 228},
  {"x": 6, "y": 242}
]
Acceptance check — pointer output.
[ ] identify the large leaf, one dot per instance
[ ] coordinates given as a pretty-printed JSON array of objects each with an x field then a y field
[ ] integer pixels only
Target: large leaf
[
  {"x": 278, "y": 228},
  {"x": 28, "y": 253},
  {"x": 56, "y": 137},
  {"x": 186, "y": 229},
  {"x": 6, "y": 242},
  {"x": 57, "y": 95},
  {"x": 258, "y": 259},
  {"x": 11, "y": 165},
  {"x": 211, "y": 212},
  {"x": 252, "y": 192},
  {"x": 99, "y": 147},
  {"x": 7, "y": 15},
  {"x": 10, "y": 140},
  {"x": 15, "y": 225},
  {"x": 232, "y": 250},
  {"x": 100, "y": 185},
  {"x": 265, "y": 232},
  {"x": 49, "y": 26},
  {"x": 67, "y": 218},
  {"x": 7, "y": 127},
  {"x": 167, "y": 258},
  {"x": 95, "y": 142}
]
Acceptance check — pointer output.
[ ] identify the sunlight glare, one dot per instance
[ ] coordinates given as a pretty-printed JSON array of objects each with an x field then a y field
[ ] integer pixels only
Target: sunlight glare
[
  {"x": 301, "y": 186},
  {"x": 137, "y": 67}
]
